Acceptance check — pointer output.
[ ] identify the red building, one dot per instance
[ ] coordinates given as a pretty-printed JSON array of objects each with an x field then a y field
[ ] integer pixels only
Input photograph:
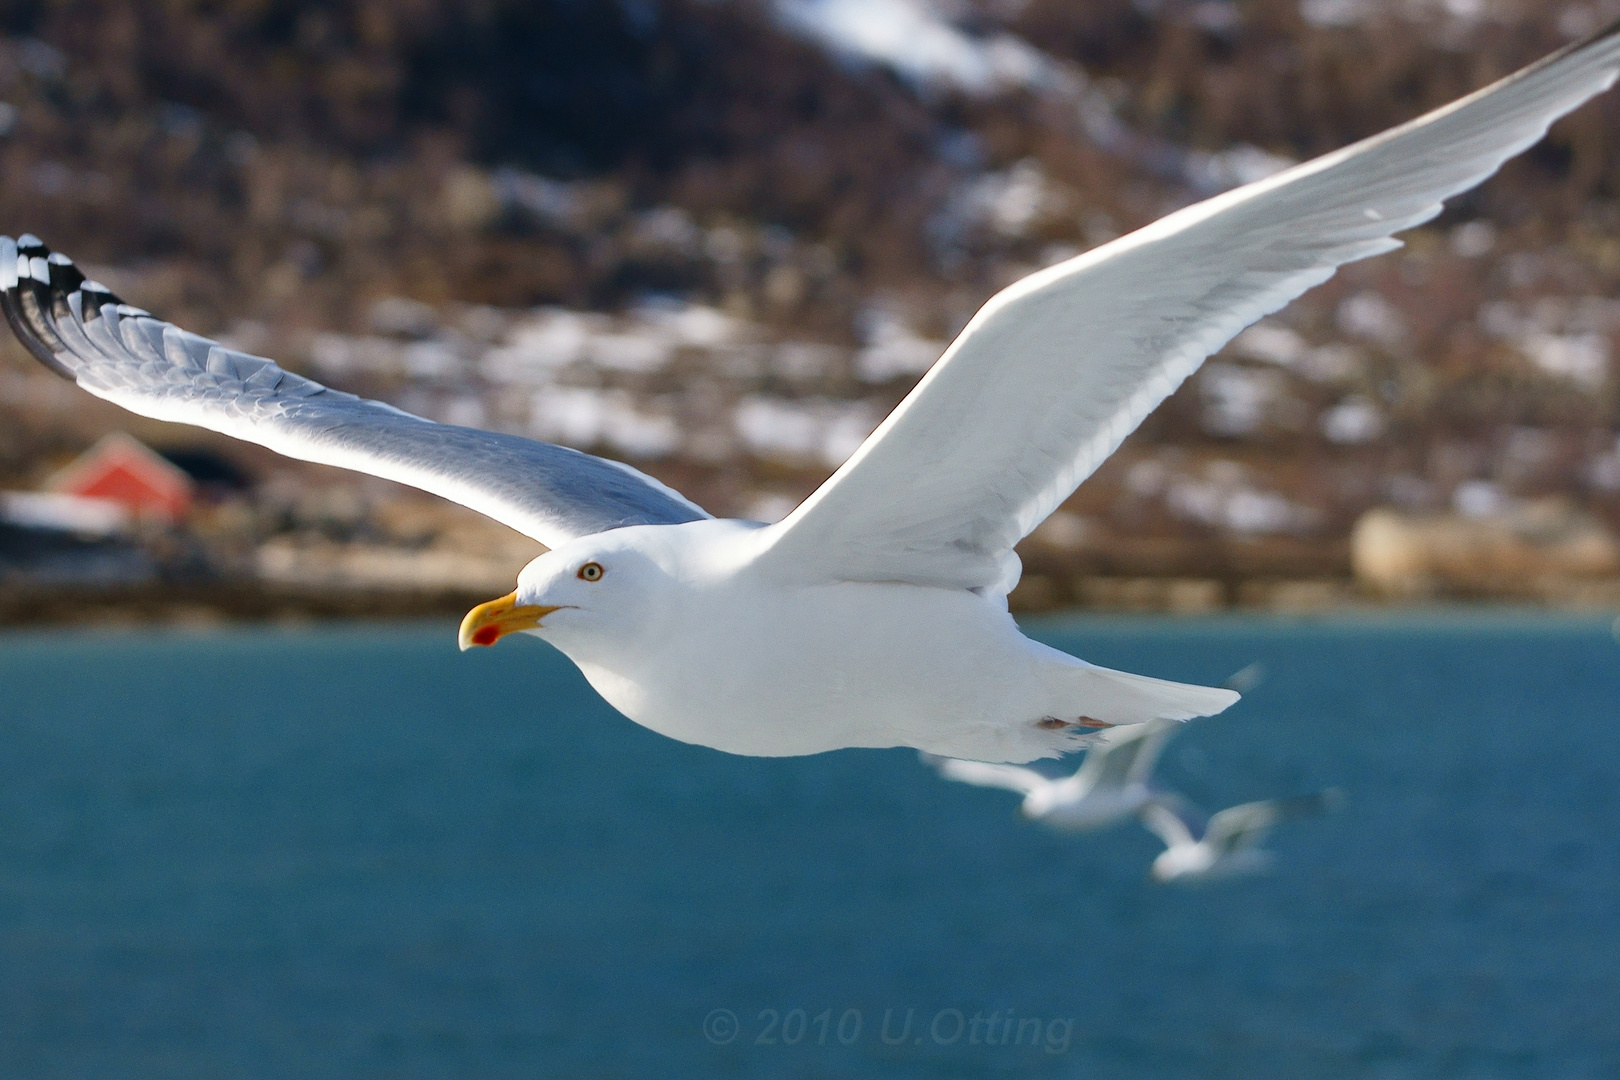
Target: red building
[{"x": 122, "y": 470}]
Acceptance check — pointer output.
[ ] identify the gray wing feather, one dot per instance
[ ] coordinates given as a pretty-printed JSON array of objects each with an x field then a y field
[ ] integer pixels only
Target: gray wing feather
[
  {"x": 1242, "y": 826},
  {"x": 1246, "y": 825},
  {"x": 1123, "y": 755},
  {"x": 83, "y": 332}
]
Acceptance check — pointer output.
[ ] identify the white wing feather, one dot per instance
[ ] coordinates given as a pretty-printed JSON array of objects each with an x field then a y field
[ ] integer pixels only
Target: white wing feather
[
  {"x": 153, "y": 368},
  {"x": 1173, "y": 820},
  {"x": 1055, "y": 371},
  {"x": 985, "y": 774}
]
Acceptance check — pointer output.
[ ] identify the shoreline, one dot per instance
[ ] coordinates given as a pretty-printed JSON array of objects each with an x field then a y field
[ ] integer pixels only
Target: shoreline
[{"x": 251, "y": 602}]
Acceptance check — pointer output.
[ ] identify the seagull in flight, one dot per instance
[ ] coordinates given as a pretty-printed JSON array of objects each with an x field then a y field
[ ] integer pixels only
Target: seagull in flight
[
  {"x": 1228, "y": 844},
  {"x": 1114, "y": 781},
  {"x": 875, "y": 613}
]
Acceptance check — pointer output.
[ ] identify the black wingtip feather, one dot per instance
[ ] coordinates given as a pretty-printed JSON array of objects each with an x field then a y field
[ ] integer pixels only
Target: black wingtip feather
[
  {"x": 65, "y": 277},
  {"x": 28, "y": 304}
]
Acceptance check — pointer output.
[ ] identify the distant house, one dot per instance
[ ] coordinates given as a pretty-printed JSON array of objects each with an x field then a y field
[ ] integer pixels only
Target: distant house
[{"x": 122, "y": 470}]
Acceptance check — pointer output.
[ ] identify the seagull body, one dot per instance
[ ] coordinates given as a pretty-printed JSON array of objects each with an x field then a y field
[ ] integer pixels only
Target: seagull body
[
  {"x": 875, "y": 613},
  {"x": 689, "y": 633},
  {"x": 1228, "y": 844},
  {"x": 1112, "y": 784}
]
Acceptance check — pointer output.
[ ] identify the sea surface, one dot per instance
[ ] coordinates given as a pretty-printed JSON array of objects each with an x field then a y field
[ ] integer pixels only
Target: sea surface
[{"x": 357, "y": 853}]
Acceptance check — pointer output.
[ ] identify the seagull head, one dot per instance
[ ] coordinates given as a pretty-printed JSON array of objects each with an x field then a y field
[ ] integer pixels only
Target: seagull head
[
  {"x": 1053, "y": 795},
  {"x": 1189, "y": 861},
  {"x": 597, "y": 583}
]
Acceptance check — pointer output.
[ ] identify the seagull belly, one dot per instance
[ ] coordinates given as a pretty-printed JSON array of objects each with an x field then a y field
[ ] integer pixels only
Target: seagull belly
[{"x": 786, "y": 671}]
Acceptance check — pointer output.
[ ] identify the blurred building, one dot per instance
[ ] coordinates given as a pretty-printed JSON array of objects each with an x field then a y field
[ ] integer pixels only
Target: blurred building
[{"x": 121, "y": 470}]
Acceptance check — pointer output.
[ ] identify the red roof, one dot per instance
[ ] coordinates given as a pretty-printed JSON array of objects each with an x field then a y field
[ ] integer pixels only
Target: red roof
[{"x": 123, "y": 470}]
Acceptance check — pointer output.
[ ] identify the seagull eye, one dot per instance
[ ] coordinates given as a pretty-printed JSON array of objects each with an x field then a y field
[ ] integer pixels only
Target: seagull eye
[{"x": 591, "y": 571}]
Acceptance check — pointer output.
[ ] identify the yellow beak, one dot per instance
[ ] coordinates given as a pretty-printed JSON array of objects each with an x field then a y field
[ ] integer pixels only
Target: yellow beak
[{"x": 488, "y": 623}]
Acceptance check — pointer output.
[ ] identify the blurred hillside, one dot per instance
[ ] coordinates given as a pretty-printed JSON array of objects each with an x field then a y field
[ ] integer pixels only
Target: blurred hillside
[{"x": 721, "y": 238}]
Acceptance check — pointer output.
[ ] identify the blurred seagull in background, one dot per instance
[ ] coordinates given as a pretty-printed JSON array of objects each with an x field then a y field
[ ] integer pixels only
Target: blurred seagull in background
[
  {"x": 1228, "y": 844},
  {"x": 1112, "y": 784},
  {"x": 874, "y": 614}
]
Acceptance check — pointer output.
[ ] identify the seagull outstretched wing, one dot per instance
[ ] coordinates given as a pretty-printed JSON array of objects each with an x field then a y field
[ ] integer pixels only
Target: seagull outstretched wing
[
  {"x": 1124, "y": 755},
  {"x": 984, "y": 774},
  {"x": 1243, "y": 826},
  {"x": 1174, "y": 820},
  {"x": 1052, "y": 374},
  {"x": 120, "y": 353}
]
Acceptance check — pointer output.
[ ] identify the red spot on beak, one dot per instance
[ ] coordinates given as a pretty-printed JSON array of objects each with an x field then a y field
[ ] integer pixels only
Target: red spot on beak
[{"x": 488, "y": 623}]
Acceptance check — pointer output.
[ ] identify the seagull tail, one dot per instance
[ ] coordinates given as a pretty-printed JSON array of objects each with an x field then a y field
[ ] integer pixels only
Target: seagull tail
[{"x": 1103, "y": 697}]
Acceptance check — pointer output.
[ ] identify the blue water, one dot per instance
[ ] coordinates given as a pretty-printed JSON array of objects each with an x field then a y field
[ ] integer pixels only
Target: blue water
[{"x": 358, "y": 853}]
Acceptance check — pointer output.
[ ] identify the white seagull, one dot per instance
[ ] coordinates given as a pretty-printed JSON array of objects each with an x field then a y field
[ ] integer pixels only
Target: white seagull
[
  {"x": 875, "y": 613},
  {"x": 1228, "y": 844},
  {"x": 1113, "y": 783}
]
